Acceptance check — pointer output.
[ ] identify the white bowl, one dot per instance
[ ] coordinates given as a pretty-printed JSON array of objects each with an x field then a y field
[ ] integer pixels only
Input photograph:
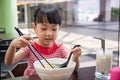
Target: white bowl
[{"x": 49, "y": 73}]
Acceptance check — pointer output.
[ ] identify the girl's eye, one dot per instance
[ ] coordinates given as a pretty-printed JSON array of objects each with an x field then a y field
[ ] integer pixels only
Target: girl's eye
[
  {"x": 43, "y": 28},
  {"x": 54, "y": 29}
]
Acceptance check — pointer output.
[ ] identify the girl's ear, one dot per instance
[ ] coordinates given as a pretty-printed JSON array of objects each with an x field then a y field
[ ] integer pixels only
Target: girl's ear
[{"x": 33, "y": 25}]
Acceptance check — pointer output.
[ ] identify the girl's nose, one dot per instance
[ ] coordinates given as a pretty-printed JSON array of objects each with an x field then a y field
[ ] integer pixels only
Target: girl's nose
[{"x": 49, "y": 33}]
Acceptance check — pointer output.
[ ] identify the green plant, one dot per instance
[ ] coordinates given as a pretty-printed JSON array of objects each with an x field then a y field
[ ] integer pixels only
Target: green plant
[{"x": 115, "y": 14}]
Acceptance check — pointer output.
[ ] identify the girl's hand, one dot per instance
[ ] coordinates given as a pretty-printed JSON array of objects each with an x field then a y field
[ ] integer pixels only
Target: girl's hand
[
  {"x": 21, "y": 41},
  {"x": 76, "y": 52}
]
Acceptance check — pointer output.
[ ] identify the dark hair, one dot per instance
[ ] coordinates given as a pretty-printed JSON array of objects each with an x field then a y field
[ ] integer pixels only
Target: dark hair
[{"x": 51, "y": 13}]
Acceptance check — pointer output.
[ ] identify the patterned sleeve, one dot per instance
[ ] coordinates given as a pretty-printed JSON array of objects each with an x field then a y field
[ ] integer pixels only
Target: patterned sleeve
[
  {"x": 63, "y": 51},
  {"x": 27, "y": 51}
]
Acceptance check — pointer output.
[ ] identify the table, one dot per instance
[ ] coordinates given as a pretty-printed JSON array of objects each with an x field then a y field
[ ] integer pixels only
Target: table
[{"x": 86, "y": 73}]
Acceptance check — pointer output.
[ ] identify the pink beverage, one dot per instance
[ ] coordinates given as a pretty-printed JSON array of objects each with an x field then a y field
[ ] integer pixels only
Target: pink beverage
[
  {"x": 103, "y": 64},
  {"x": 115, "y": 73}
]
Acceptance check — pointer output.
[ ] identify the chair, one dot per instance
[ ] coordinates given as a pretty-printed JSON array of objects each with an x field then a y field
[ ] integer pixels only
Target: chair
[
  {"x": 18, "y": 69},
  {"x": 2, "y": 30},
  {"x": 4, "y": 44}
]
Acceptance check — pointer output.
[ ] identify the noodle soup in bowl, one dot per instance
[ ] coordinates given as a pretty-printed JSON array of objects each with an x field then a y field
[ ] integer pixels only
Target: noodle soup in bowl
[{"x": 55, "y": 73}]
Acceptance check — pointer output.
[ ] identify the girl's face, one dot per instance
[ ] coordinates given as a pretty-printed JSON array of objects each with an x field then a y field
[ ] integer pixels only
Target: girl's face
[{"x": 47, "y": 33}]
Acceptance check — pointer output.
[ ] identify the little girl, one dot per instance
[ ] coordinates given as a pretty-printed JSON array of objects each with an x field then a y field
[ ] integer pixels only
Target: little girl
[{"x": 47, "y": 21}]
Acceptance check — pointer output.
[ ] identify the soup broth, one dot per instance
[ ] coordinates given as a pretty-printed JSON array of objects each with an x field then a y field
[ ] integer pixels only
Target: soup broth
[{"x": 53, "y": 64}]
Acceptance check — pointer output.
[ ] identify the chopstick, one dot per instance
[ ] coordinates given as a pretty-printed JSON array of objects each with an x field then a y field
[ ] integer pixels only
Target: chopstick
[{"x": 20, "y": 33}]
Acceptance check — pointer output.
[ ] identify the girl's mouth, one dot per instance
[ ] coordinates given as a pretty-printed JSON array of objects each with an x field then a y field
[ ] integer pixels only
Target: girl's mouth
[{"x": 48, "y": 39}]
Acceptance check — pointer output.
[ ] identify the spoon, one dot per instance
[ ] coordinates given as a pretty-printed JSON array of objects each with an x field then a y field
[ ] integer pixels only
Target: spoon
[{"x": 66, "y": 63}]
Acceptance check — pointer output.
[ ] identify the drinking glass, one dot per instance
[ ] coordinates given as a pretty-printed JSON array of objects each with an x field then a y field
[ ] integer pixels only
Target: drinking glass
[{"x": 103, "y": 64}]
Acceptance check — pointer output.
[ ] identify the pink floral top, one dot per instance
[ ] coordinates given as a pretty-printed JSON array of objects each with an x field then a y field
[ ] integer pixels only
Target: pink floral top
[{"x": 48, "y": 52}]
